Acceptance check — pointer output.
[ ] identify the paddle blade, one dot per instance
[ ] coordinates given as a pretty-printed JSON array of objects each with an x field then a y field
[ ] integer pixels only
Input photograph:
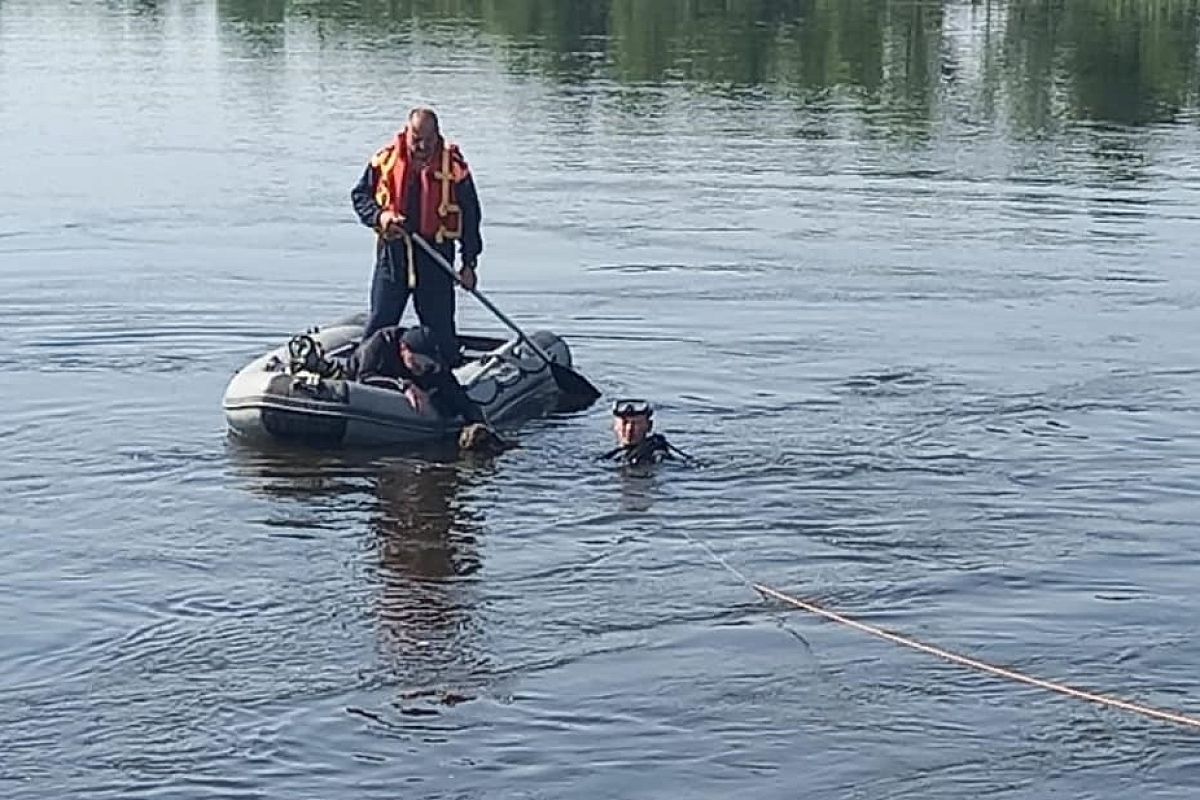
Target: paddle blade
[{"x": 577, "y": 392}]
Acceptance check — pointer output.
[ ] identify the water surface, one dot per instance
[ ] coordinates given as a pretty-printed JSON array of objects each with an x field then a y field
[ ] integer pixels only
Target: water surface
[{"x": 916, "y": 279}]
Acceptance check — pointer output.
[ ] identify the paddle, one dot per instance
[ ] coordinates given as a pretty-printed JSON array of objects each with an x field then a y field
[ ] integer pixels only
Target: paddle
[{"x": 579, "y": 392}]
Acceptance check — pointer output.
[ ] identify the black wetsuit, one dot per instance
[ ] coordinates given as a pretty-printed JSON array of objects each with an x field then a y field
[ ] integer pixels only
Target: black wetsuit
[
  {"x": 379, "y": 355},
  {"x": 651, "y": 450}
]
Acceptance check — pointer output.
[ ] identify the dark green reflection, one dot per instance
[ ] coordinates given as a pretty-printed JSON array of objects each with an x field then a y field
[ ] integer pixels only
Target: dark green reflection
[
  {"x": 252, "y": 11},
  {"x": 1040, "y": 61},
  {"x": 1115, "y": 61}
]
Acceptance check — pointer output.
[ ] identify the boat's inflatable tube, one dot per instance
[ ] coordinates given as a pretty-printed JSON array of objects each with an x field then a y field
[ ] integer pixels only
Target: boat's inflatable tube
[{"x": 267, "y": 399}]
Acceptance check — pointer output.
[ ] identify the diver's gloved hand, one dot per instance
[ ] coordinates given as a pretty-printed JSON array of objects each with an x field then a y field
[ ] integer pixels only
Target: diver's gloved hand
[{"x": 479, "y": 438}]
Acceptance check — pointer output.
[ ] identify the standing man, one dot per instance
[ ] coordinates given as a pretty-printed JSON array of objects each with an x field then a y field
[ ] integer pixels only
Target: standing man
[{"x": 419, "y": 183}]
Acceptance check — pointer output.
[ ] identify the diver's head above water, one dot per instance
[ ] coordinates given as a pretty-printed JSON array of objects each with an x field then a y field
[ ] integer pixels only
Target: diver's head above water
[{"x": 632, "y": 421}]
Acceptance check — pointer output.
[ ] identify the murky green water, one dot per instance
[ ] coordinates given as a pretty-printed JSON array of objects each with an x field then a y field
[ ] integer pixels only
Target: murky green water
[{"x": 917, "y": 280}]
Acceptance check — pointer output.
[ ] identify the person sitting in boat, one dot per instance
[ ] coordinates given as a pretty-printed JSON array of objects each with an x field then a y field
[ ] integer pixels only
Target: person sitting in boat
[
  {"x": 633, "y": 421},
  {"x": 410, "y": 359}
]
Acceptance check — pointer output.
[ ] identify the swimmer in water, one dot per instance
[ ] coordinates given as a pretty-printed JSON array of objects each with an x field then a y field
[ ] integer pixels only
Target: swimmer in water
[{"x": 633, "y": 421}]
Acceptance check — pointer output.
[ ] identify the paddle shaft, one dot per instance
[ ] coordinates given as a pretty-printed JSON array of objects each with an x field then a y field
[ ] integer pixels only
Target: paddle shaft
[{"x": 440, "y": 260}]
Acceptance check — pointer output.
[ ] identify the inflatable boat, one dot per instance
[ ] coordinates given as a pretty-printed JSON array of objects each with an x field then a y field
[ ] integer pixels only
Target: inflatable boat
[{"x": 272, "y": 398}]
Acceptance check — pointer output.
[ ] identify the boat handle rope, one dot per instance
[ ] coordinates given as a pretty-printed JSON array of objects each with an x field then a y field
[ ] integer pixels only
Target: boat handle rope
[{"x": 768, "y": 592}]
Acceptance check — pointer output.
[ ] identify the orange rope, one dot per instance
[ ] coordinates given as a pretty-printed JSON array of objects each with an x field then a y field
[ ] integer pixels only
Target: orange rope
[{"x": 1112, "y": 702}]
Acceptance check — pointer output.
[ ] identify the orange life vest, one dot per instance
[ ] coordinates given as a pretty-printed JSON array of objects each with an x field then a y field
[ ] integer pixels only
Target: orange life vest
[{"x": 441, "y": 217}]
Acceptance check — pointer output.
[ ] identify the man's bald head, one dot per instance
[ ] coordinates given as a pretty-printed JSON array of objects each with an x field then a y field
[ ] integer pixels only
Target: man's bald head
[
  {"x": 426, "y": 115},
  {"x": 423, "y": 133}
]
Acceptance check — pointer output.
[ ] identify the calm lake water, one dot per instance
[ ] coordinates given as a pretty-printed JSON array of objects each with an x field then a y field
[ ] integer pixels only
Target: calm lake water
[{"x": 918, "y": 281}]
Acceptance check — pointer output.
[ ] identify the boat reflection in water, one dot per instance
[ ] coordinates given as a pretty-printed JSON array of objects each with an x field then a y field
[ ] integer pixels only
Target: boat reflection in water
[
  {"x": 410, "y": 511},
  {"x": 428, "y": 549}
]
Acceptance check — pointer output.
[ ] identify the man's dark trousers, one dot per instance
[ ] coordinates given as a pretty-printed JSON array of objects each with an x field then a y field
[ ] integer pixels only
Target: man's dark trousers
[{"x": 433, "y": 295}]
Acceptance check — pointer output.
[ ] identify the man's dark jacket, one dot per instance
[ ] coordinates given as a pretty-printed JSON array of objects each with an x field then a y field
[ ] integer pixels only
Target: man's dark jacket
[{"x": 379, "y": 355}]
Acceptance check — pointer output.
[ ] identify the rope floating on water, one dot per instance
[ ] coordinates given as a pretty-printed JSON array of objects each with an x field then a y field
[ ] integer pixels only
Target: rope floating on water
[
  {"x": 965, "y": 661},
  {"x": 983, "y": 666}
]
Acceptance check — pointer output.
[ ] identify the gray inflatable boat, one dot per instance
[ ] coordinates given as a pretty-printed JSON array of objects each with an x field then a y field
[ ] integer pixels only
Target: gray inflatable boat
[{"x": 270, "y": 398}]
